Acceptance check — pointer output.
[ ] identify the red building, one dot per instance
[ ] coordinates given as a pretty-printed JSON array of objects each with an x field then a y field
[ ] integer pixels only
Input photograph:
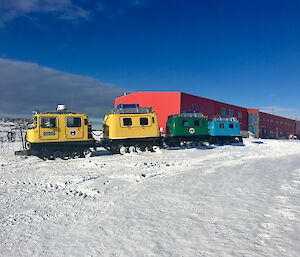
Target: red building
[
  {"x": 168, "y": 103},
  {"x": 266, "y": 125}
]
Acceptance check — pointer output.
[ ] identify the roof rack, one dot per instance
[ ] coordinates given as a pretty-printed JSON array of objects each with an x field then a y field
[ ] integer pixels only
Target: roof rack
[
  {"x": 54, "y": 112},
  {"x": 61, "y": 112},
  {"x": 135, "y": 110},
  {"x": 60, "y": 109},
  {"x": 189, "y": 115},
  {"x": 220, "y": 118}
]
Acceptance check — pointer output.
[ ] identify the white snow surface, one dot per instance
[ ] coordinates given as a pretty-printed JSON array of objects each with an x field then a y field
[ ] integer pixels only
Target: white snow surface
[{"x": 224, "y": 201}]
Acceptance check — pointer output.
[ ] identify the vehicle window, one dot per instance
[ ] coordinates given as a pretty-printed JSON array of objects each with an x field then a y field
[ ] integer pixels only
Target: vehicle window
[
  {"x": 222, "y": 125},
  {"x": 127, "y": 121},
  {"x": 185, "y": 123},
  {"x": 143, "y": 121},
  {"x": 153, "y": 121},
  {"x": 48, "y": 122},
  {"x": 196, "y": 123},
  {"x": 73, "y": 122},
  {"x": 230, "y": 125}
]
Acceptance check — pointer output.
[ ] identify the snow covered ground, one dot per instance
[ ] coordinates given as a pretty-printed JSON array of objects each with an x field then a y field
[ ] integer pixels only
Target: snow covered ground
[{"x": 224, "y": 201}]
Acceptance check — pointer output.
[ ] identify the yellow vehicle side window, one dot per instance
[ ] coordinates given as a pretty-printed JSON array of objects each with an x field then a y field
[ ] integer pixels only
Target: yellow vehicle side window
[
  {"x": 49, "y": 122},
  {"x": 144, "y": 121},
  {"x": 127, "y": 121},
  {"x": 73, "y": 122}
]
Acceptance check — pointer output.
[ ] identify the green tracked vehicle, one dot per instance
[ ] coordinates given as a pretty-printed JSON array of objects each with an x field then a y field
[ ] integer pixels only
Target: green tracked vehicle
[{"x": 187, "y": 129}]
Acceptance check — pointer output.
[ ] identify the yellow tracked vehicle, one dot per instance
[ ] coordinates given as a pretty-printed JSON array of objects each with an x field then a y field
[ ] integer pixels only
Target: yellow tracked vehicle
[
  {"x": 131, "y": 128},
  {"x": 59, "y": 134}
]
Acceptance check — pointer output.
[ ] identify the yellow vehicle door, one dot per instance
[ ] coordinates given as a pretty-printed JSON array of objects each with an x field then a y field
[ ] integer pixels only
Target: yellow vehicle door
[
  {"x": 48, "y": 129},
  {"x": 74, "y": 128}
]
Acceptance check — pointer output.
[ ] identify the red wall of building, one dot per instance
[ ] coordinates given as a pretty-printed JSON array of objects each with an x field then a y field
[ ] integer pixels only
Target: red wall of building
[
  {"x": 203, "y": 105},
  {"x": 281, "y": 127},
  {"x": 213, "y": 108},
  {"x": 163, "y": 103}
]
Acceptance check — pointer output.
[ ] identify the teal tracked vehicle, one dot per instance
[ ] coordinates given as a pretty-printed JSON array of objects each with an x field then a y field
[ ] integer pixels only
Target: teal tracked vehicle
[{"x": 224, "y": 131}]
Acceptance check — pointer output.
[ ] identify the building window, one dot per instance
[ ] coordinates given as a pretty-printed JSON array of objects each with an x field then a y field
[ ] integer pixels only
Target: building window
[
  {"x": 48, "y": 122},
  {"x": 73, "y": 122},
  {"x": 240, "y": 115},
  {"x": 223, "y": 112},
  {"x": 231, "y": 113},
  {"x": 127, "y": 121},
  {"x": 143, "y": 121},
  {"x": 222, "y": 126},
  {"x": 185, "y": 123}
]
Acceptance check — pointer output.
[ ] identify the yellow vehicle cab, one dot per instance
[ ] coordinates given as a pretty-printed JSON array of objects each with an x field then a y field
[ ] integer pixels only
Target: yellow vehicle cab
[
  {"x": 130, "y": 128},
  {"x": 60, "y": 134}
]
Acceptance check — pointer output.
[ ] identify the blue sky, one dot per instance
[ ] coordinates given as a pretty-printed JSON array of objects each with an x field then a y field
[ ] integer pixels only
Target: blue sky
[{"x": 242, "y": 52}]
